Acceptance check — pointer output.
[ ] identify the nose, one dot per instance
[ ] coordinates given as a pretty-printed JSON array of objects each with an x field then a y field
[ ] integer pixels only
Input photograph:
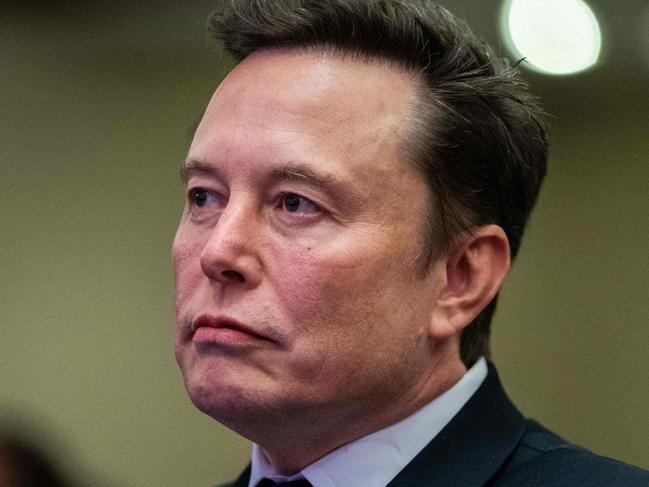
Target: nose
[{"x": 229, "y": 255}]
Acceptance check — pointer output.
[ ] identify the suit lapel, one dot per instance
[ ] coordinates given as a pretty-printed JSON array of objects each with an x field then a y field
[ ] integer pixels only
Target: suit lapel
[{"x": 473, "y": 446}]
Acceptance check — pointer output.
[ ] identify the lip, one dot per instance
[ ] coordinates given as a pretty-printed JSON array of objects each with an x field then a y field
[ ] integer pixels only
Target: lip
[{"x": 223, "y": 330}]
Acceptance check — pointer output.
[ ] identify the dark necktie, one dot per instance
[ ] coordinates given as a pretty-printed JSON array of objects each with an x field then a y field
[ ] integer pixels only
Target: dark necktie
[{"x": 292, "y": 483}]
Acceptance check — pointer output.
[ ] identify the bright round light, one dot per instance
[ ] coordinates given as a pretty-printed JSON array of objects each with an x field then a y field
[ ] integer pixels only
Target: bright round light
[{"x": 555, "y": 36}]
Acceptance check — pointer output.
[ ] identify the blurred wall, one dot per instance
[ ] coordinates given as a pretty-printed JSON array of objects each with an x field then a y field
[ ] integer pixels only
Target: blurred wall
[{"x": 95, "y": 101}]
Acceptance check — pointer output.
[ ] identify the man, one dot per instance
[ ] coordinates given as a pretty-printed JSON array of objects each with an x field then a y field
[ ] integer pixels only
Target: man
[{"x": 356, "y": 190}]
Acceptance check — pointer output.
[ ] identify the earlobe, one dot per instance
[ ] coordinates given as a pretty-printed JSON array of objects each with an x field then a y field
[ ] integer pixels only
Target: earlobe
[{"x": 473, "y": 274}]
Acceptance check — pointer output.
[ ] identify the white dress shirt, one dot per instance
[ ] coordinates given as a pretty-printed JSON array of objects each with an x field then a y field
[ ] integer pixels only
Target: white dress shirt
[{"x": 374, "y": 460}]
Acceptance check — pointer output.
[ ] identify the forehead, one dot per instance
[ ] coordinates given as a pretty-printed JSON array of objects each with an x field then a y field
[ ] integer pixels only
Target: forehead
[
  {"x": 348, "y": 103},
  {"x": 314, "y": 80}
]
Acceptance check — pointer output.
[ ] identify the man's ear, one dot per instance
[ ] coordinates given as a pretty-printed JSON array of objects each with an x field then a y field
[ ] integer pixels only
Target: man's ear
[{"x": 472, "y": 275}]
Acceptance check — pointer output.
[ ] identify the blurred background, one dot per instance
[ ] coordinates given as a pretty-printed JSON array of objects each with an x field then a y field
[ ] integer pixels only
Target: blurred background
[{"x": 95, "y": 102}]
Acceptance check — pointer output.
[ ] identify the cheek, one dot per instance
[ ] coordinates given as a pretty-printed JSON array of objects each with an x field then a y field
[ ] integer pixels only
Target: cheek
[
  {"x": 186, "y": 264},
  {"x": 358, "y": 297},
  {"x": 328, "y": 269},
  {"x": 309, "y": 287},
  {"x": 347, "y": 334},
  {"x": 334, "y": 303}
]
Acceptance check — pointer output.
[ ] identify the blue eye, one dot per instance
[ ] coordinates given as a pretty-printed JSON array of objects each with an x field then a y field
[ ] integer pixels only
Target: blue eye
[
  {"x": 201, "y": 197},
  {"x": 294, "y": 203}
]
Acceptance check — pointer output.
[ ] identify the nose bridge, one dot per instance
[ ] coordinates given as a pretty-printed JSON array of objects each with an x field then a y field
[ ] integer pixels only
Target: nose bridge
[
  {"x": 234, "y": 222},
  {"x": 229, "y": 254}
]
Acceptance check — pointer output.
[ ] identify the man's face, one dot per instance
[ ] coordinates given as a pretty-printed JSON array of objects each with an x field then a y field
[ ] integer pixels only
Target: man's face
[{"x": 298, "y": 269}]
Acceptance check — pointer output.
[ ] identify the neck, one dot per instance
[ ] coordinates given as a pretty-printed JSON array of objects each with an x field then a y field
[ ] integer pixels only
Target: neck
[{"x": 305, "y": 441}]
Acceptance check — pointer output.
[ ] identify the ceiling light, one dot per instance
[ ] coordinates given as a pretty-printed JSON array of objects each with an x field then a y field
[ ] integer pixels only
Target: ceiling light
[{"x": 554, "y": 36}]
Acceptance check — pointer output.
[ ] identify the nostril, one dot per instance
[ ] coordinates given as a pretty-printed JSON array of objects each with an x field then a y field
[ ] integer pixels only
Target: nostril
[{"x": 233, "y": 276}]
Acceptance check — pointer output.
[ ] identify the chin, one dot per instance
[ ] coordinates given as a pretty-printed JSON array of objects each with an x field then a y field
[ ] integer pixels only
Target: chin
[
  {"x": 229, "y": 400},
  {"x": 222, "y": 404}
]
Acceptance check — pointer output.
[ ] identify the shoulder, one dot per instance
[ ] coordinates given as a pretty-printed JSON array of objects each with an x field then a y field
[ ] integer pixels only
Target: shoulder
[{"x": 543, "y": 458}]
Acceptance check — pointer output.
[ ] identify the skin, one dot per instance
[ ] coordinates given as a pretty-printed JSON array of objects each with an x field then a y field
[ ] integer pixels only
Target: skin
[{"x": 357, "y": 336}]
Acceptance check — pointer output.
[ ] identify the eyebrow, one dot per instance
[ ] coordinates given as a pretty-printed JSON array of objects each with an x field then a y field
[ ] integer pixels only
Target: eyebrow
[
  {"x": 292, "y": 171},
  {"x": 194, "y": 166},
  {"x": 296, "y": 171}
]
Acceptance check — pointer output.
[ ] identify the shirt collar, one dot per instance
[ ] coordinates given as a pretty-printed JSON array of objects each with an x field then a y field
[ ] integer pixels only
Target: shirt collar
[{"x": 375, "y": 459}]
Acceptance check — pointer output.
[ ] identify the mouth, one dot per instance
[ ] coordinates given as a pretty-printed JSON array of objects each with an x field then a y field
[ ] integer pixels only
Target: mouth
[{"x": 223, "y": 330}]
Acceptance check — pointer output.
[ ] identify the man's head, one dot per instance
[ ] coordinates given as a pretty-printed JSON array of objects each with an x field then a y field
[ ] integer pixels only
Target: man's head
[
  {"x": 474, "y": 133},
  {"x": 351, "y": 208}
]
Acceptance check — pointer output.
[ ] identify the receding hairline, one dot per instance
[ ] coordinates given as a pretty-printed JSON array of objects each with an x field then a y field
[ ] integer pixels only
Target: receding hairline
[
  {"x": 421, "y": 95},
  {"x": 414, "y": 105}
]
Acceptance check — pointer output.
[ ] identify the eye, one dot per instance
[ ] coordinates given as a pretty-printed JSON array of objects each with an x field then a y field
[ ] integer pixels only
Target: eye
[
  {"x": 296, "y": 204},
  {"x": 200, "y": 198}
]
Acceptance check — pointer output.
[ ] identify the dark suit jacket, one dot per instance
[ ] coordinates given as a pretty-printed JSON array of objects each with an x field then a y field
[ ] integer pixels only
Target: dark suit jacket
[{"x": 489, "y": 443}]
